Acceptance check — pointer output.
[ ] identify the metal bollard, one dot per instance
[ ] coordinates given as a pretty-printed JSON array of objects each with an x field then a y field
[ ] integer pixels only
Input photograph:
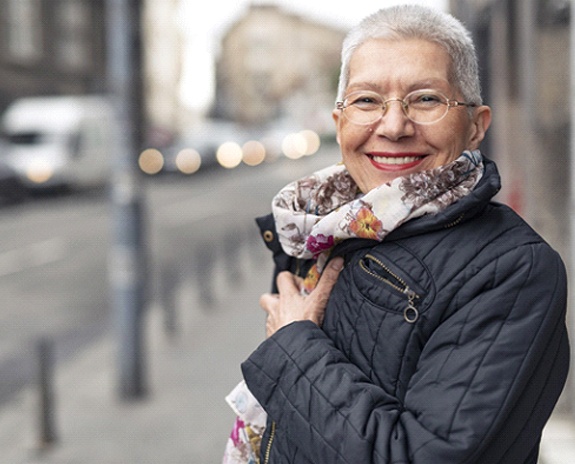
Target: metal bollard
[
  {"x": 45, "y": 382},
  {"x": 169, "y": 285},
  {"x": 205, "y": 261}
]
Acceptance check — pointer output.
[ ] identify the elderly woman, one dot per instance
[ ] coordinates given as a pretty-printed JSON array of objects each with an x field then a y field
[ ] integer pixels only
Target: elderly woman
[{"x": 430, "y": 326}]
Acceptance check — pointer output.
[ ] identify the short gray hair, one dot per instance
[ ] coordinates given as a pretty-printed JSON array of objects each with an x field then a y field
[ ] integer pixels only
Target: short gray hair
[{"x": 418, "y": 22}]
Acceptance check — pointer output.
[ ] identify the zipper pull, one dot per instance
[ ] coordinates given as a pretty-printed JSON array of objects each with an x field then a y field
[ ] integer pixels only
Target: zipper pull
[{"x": 410, "y": 313}]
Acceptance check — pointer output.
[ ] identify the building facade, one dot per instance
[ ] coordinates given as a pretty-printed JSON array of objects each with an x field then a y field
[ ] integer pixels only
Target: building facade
[
  {"x": 163, "y": 51},
  {"x": 525, "y": 57},
  {"x": 274, "y": 64},
  {"x": 51, "y": 47},
  {"x": 525, "y": 63},
  {"x": 58, "y": 47}
]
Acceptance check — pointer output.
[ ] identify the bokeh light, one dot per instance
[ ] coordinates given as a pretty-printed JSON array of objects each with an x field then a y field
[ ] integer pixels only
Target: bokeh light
[
  {"x": 40, "y": 172},
  {"x": 229, "y": 155},
  {"x": 294, "y": 146},
  {"x": 188, "y": 161},
  {"x": 254, "y": 153},
  {"x": 299, "y": 144},
  {"x": 312, "y": 140},
  {"x": 151, "y": 161}
]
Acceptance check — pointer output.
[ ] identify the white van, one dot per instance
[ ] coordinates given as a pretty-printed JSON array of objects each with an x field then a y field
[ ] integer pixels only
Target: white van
[{"x": 59, "y": 141}]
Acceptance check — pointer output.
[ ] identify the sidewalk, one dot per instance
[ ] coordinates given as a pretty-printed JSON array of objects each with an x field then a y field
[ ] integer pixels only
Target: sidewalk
[
  {"x": 558, "y": 444},
  {"x": 184, "y": 418}
]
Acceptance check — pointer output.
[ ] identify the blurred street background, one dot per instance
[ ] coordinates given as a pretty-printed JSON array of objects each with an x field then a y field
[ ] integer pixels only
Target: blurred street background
[
  {"x": 139, "y": 139},
  {"x": 209, "y": 267}
]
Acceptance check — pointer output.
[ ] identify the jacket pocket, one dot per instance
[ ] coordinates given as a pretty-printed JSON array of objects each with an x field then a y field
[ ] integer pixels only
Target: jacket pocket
[
  {"x": 378, "y": 270},
  {"x": 393, "y": 279}
]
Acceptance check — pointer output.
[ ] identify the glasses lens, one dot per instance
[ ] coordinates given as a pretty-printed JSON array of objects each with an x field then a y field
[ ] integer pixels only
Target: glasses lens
[
  {"x": 363, "y": 107},
  {"x": 426, "y": 106}
]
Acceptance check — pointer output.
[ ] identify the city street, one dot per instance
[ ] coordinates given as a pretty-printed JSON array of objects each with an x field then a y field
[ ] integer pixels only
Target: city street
[{"x": 54, "y": 259}]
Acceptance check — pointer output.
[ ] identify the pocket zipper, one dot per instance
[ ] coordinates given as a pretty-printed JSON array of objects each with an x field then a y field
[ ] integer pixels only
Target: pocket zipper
[{"x": 410, "y": 313}]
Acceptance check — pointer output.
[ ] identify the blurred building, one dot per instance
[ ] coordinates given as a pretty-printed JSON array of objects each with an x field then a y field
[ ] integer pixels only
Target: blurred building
[
  {"x": 58, "y": 47},
  {"x": 525, "y": 62},
  {"x": 524, "y": 48},
  {"x": 274, "y": 64},
  {"x": 163, "y": 44},
  {"x": 51, "y": 47}
]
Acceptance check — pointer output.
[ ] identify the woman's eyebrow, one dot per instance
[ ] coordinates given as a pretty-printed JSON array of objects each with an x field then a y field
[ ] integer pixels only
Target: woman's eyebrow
[
  {"x": 363, "y": 85},
  {"x": 428, "y": 83}
]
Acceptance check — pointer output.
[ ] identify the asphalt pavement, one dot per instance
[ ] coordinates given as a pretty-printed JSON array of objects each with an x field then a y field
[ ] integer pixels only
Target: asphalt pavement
[{"x": 183, "y": 418}]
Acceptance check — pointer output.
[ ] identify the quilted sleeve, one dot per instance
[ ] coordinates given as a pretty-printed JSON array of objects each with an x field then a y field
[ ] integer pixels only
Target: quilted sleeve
[{"x": 486, "y": 382}]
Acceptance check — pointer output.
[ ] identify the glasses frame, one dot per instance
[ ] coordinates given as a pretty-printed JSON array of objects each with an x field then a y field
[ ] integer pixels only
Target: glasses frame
[{"x": 341, "y": 105}]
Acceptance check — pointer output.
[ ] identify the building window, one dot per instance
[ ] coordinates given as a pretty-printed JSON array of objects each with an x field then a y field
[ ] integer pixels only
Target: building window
[
  {"x": 72, "y": 40},
  {"x": 24, "y": 29}
]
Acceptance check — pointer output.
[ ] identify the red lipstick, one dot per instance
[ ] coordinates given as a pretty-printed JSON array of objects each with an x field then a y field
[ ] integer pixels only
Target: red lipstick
[{"x": 395, "y": 161}]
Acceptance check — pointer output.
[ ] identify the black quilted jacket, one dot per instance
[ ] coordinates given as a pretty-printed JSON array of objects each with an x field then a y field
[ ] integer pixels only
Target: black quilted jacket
[{"x": 446, "y": 343}]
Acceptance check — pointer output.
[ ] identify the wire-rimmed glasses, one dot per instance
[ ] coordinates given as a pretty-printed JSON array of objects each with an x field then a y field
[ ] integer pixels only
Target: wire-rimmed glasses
[{"x": 425, "y": 106}]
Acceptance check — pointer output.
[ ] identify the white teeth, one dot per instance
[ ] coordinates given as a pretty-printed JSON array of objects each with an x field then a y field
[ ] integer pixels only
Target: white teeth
[{"x": 395, "y": 160}]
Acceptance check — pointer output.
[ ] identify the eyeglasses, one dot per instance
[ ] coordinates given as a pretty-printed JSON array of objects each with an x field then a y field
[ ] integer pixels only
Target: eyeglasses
[{"x": 421, "y": 106}]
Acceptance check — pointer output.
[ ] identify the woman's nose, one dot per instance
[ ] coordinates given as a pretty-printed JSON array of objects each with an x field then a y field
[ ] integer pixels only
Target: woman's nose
[{"x": 394, "y": 123}]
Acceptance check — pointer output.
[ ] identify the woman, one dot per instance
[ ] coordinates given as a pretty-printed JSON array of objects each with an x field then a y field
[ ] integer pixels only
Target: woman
[{"x": 436, "y": 332}]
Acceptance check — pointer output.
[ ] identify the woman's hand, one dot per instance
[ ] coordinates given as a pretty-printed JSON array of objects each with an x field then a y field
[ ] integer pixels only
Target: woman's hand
[{"x": 290, "y": 305}]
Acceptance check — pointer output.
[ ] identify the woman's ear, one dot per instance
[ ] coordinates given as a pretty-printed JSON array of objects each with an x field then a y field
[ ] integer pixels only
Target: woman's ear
[
  {"x": 336, "y": 114},
  {"x": 480, "y": 124}
]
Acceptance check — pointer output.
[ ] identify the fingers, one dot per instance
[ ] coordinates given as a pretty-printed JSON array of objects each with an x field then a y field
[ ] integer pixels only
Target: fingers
[
  {"x": 290, "y": 305},
  {"x": 268, "y": 299},
  {"x": 326, "y": 282},
  {"x": 288, "y": 283},
  {"x": 329, "y": 275},
  {"x": 270, "y": 304}
]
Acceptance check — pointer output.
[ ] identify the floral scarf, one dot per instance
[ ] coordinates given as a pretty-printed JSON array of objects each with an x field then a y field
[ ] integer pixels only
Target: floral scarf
[
  {"x": 315, "y": 213},
  {"x": 243, "y": 445}
]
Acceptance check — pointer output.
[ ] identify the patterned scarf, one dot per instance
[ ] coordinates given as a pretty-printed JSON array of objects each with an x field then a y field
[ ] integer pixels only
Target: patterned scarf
[{"x": 314, "y": 214}]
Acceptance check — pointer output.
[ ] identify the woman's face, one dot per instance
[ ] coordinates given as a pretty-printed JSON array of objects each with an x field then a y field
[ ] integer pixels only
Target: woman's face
[{"x": 394, "y": 146}]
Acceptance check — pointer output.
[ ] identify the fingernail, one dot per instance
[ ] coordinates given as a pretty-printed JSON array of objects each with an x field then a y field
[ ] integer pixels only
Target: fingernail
[{"x": 337, "y": 263}]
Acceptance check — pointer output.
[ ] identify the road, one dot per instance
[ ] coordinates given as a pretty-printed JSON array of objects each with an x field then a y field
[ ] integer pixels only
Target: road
[{"x": 54, "y": 256}]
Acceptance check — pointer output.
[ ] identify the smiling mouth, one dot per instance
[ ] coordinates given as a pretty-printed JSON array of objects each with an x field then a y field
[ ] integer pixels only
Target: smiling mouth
[{"x": 396, "y": 160}]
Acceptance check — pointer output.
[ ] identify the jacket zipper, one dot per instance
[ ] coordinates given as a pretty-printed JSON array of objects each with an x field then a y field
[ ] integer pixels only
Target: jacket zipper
[
  {"x": 410, "y": 313},
  {"x": 269, "y": 445}
]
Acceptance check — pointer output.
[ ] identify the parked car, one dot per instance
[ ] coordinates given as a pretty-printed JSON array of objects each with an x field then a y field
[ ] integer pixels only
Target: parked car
[
  {"x": 11, "y": 189},
  {"x": 59, "y": 140}
]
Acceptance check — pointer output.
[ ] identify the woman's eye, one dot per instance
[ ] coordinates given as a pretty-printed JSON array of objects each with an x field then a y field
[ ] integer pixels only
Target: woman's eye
[
  {"x": 364, "y": 101},
  {"x": 430, "y": 97},
  {"x": 426, "y": 100}
]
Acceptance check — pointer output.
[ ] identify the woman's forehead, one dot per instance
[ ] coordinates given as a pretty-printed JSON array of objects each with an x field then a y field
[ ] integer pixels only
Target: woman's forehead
[{"x": 413, "y": 62}]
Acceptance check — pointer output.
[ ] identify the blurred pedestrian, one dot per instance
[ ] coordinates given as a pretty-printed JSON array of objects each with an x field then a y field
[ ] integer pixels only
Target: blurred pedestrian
[{"x": 417, "y": 321}]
